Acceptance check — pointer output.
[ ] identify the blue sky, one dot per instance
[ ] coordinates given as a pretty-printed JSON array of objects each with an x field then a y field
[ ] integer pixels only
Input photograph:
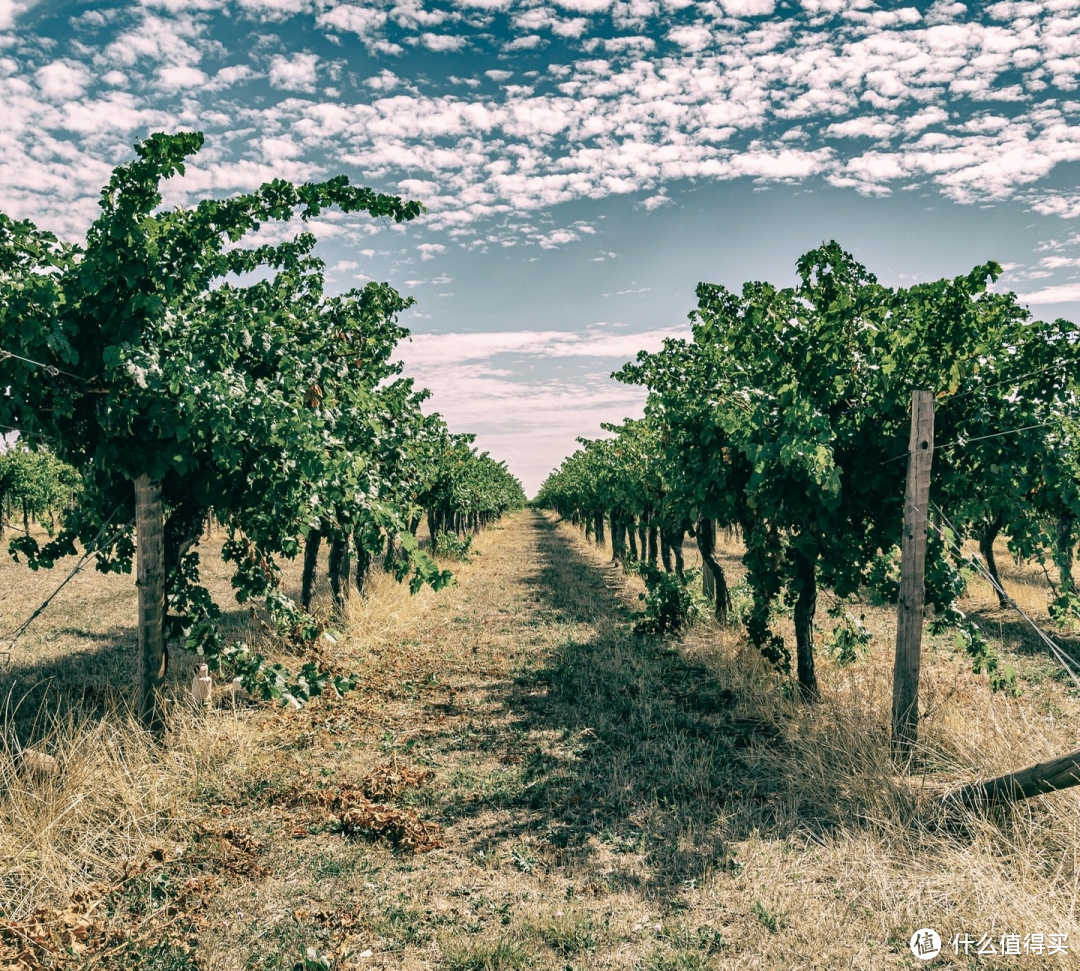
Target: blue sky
[{"x": 584, "y": 162}]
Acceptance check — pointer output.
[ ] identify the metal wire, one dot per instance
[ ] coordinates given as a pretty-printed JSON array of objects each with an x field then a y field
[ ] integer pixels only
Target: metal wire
[
  {"x": 983, "y": 438},
  {"x": 17, "y": 632},
  {"x": 997, "y": 384},
  {"x": 52, "y": 369},
  {"x": 978, "y": 438},
  {"x": 1063, "y": 658},
  {"x": 28, "y": 434}
]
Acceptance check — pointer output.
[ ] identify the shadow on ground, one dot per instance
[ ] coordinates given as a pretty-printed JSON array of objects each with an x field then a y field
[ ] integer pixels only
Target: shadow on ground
[
  {"x": 1016, "y": 634},
  {"x": 94, "y": 677},
  {"x": 617, "y": 743},
  {"x": 36, "y": 694}
]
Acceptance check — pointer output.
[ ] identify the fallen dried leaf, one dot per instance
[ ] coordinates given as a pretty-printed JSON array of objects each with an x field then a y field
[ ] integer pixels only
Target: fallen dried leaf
[
  {"x": 390, "y": 781},
  {"x": 401, "y": 828}
]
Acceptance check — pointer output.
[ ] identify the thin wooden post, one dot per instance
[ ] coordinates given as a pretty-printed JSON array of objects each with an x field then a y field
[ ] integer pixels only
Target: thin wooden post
[
  {"x": 909, "y": 620},
  {"x": 1036, "y": 780},
  {"x": 150, "y": 566}
]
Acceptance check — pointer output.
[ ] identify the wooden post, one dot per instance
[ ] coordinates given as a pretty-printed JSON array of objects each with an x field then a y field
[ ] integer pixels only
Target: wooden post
[
  {"x": 150, "y": 566},
  {"x": 909, "y": 620},
  {"x": 1034, "y": 781}
]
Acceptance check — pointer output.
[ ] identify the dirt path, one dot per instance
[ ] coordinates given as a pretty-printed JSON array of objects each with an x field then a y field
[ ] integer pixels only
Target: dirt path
[
  {"x": 575, "y": 776},
  {"x": 595, "y": 801}
]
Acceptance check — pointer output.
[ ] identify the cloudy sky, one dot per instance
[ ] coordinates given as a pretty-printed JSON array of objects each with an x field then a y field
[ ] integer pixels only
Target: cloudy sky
[{"x": 584, "y": 163}]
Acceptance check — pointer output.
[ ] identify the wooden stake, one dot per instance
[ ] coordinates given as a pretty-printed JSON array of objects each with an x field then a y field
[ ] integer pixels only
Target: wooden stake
[
  {"x": 150, "y": 565},
  {"x": 909, "y": 621}
]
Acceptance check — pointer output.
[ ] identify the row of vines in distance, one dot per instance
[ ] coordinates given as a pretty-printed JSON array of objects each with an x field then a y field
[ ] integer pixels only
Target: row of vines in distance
[
  {"x": 219, "y": 375},
  {"x": 786, "y": 416},
  {"x": 34, "y": 486}
]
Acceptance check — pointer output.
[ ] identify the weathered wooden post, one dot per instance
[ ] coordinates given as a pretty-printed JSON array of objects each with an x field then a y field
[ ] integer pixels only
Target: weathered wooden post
[
  {"x": 1036, "y": 780},
  {"x": 150, "y": 570},
  {"x": 909, "y": 620}
]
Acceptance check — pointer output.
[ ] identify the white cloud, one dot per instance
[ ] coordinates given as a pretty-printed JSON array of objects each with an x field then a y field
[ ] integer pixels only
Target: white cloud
[
  {"x": 786, "y": 163},
  {"x": 556, "y": 238},
  {"x": 876, "y": 167},
  {"x": 228, "y": 76},
  {"x": 183, "y": 6},
  {"x": 418, "y": 188},
  {"x": 574, "y": 27},
  {"x": 507, "y": 387},
  {"x": 62, "y": 80},
  {"x": 412, "y": 14},
  {"x": 868, "y": 126},
  {"x": 1066, "y": 293},
  {"x": 442, "y": 42},
  {"x": 173, "y": 41},
  {"x": 748, "y": 8},
  {"x": 614, "y": 45},
  {"x": 92, "y": 19},
  {"x": 183, "y": 76},
  {"x": 1065, "y": 206},
  {"x": 383, "y": 46},
  {"x": 527, "y": 43},
  {"x": 384, "y": 81},
  {"x": 363, "y": 20},
  {"x": 585, "y": 6},
  {"x": 274, "y": 10},
  {"x": 459, "y": 348},
  {"x": 529, "y": 424},
  {"x": 1058, "y": 244},
  {"x": 279, "y": 148},
  {"x": 10, "y": 10},
  {"x": 695, "y": 38},
  {"x": 428, "y": 251},
  {"x": 296, "y": 73},
  {"x": 926, "y": 118},
  {"x": 688, "y": 95},
  {"x": 945, "y": 11}
]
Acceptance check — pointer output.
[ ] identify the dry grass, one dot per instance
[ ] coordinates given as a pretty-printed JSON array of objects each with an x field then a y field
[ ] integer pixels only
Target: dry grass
[{"x": 601, "y": 800}]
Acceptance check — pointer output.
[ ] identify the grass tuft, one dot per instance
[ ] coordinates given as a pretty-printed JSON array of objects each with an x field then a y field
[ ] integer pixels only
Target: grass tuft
[{"x": 502, "y": 955}]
